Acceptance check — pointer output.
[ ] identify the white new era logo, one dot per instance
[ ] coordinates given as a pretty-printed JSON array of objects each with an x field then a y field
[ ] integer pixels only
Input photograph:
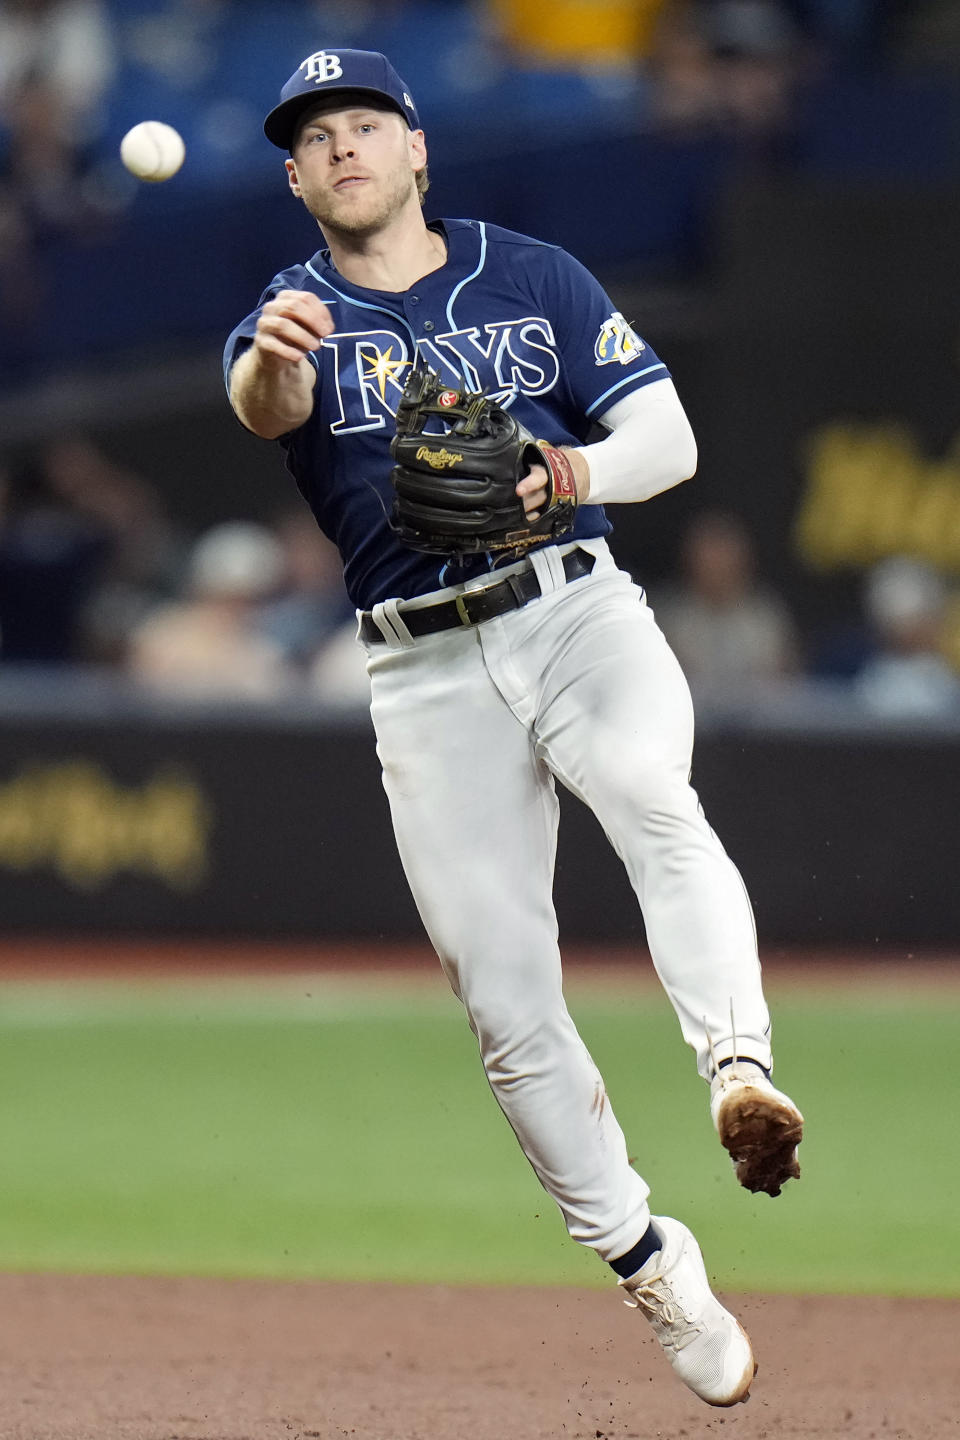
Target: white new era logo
[{"x": 321, "y": 67}]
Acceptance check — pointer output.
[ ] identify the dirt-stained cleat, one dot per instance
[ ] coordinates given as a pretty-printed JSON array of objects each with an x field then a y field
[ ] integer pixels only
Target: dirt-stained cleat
[
  {"x": 759, "y": 1125},
  {"x": 709, "y": 1349}
]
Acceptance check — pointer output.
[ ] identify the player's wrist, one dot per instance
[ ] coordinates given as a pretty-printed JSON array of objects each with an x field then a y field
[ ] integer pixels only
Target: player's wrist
[
  {"x": 581, "y": 471},
  {"x": 270, "y": 400},
  {"x": 271, "y": 361}
]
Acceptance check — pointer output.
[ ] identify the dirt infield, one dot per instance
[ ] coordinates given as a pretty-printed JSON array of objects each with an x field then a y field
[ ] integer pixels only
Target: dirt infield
[{"x": 165, "y": 1359}]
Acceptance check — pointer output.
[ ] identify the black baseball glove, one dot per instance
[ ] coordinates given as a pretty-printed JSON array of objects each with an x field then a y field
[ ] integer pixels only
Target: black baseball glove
[{"x": 456, "y": 490}]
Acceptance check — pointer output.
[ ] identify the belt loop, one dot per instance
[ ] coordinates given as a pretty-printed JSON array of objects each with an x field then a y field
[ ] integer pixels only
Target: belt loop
[
  {"x": 548, "y": 565},
  {"x": 390, "y": 623}
]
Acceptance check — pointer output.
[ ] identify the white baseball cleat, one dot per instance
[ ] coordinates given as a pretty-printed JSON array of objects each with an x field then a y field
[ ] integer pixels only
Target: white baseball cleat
[
  {"x": 707, "y": 1347},
  {"x": 759, "y": 1125}
]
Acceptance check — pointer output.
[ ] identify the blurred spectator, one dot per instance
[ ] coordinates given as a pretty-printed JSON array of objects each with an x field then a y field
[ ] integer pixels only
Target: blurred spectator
[
  {"x": 56, "y": 64},
  {"x": 338, "y": 675},
  {"x": 311, "y": 619},
  {"x": 51, "y": 558},
  {"x": 147, "y": 554},
  {"x": 312, "y": 603},
  {"x": 909, "y": 677},
  {"x": 727, "y": 631},
  {"x": 682, "y": 73},
  {"x": 57, "y": 61},
  {"x": 757, "y": 49},
  {"x": 727, "y": 65},
  {"x": 66, "y": 43},
  {"x": 208, "y": 643},
  {"x": 45, "y": 163}
]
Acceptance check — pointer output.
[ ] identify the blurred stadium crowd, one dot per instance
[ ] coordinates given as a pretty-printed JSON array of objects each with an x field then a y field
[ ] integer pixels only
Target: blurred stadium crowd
[
  {"x": 75, "y": 74},
  {"x": 96, "y": 569},
  {"x": 519, "y": 96}
]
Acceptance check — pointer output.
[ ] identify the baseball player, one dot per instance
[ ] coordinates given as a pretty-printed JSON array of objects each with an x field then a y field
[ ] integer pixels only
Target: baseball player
[{"x": 406, "y": 369}]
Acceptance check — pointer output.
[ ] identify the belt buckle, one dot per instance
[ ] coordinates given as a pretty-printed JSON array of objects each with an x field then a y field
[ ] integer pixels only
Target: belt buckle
[{"x": 462, "y": 611}]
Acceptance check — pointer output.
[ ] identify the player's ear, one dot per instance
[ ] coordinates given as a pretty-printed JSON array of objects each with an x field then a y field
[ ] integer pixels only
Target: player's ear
[
  {"x": 417, "y": 147},
  {"x": 292, "y": 177}
]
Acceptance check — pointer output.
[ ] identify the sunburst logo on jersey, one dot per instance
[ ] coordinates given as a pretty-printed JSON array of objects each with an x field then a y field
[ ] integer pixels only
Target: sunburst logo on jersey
[
  {"x": 383, "y": 369},
  {"x": 618, "y": 342}
]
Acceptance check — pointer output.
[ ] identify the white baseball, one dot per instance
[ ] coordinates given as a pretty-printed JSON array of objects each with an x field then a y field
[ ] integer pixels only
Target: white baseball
[{"x": 152, "y": 150}]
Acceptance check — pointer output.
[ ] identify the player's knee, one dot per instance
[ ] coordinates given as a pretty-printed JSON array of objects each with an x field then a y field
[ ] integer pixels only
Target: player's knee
[
  {"x": 655, "y": 794},
  {"x": 515, "y": 1031},
  {"x": 513, "y": 1054}
]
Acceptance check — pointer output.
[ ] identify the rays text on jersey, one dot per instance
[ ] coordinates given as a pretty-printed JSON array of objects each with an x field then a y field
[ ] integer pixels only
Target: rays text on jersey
[{"x": 508, "y": 357}]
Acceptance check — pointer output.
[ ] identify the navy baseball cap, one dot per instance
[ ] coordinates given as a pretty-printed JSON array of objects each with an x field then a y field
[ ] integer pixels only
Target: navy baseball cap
[{"x": 328, "y": 72}]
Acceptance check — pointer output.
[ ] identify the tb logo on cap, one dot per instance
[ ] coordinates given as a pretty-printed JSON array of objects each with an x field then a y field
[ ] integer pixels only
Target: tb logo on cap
[{"x": 321, "y": 66}]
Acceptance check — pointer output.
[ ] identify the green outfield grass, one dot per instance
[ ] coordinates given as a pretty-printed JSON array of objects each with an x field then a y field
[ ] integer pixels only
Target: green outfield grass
[{"x": 321, "y": 1129}]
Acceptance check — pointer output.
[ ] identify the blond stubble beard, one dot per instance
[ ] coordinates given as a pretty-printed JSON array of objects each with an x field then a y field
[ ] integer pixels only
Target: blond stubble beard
[{"x": 327, "y": 210}]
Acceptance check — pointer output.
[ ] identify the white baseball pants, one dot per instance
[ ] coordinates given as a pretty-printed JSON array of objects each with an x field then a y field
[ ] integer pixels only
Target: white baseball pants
[{"x": 473, "y": 726}]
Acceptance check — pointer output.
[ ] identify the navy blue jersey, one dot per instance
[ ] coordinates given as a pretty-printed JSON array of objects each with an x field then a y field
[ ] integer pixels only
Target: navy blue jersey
[{"x": 506, "y": 312}]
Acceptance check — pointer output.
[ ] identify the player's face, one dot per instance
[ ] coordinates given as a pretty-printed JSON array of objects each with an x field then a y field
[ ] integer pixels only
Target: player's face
[{"x": 355, "y": 169}]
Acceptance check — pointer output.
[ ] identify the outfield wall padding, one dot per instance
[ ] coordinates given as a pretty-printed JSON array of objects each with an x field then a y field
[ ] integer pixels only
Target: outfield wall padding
[{"x": 257, "y": 826}]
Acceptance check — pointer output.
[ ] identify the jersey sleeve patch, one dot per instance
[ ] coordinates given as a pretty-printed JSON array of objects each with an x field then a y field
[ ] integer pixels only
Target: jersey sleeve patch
[{"x": 617, "y": 343}]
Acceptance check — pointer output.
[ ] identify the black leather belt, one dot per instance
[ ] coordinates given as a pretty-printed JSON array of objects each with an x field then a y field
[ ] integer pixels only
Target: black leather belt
[{"x": 475, "y": 606}]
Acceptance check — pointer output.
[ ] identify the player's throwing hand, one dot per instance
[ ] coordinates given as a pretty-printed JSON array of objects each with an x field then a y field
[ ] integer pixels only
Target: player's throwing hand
[
  {"x": 290, "y": 325},
  {"x": 270, "y": 389}
]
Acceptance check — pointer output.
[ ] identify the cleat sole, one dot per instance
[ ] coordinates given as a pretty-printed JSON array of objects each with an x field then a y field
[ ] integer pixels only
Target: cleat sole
[{"x": 761, "y": 1136}]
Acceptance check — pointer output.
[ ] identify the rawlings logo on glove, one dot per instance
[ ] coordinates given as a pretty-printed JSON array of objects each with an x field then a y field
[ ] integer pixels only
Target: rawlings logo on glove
[
  {"x": 438, "y": 459},
  {"x": 463, "y": 500}
]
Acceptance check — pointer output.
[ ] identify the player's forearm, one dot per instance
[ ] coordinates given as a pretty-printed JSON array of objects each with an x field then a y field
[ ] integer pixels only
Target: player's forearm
[
  {"x": 271, "y": 399},
  {"x": 651, "y": 447}
]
